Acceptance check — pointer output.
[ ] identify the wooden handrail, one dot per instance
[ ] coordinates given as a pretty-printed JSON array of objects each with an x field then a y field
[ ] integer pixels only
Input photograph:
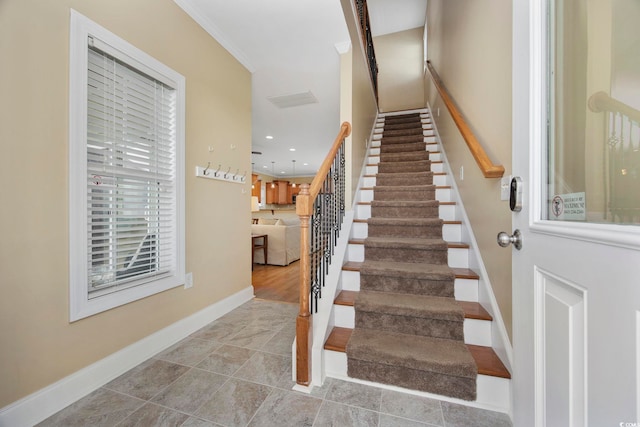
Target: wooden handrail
[
  {"x": 600, "y": 101},
  {"x": 489, "y": 170},
  {"x": 304, "y": 208}
]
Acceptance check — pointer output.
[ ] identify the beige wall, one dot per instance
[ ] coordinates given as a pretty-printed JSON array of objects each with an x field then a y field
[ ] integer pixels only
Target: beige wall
[
  {"x": 400, "y": 58},
  {"x": 469, "y": 44},
  {"x": 38, "y": 345}
]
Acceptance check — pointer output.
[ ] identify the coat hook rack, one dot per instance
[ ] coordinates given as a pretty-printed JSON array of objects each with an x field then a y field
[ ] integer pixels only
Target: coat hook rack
[{"x": 206, "y": 172}]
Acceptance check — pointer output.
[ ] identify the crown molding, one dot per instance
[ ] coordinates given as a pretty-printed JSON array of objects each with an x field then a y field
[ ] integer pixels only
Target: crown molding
[
  {"x": 343, "y": 47},
  {"x": 202, "y": 20}
]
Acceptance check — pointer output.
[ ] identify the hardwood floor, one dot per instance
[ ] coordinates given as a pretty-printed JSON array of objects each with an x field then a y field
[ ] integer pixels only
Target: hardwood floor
[{"x": 276, "y": 283}]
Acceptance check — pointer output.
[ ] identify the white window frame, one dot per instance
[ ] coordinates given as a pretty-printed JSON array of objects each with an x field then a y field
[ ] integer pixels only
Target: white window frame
[{"x": 81, "y": 306}]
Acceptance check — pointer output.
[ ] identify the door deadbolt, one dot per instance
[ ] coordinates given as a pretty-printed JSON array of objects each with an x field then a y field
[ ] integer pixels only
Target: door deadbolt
[{"x": 505, "y": 240}]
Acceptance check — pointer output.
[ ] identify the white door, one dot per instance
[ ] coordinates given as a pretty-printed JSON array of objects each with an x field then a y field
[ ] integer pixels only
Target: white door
[{"x": 576, "y": 279}]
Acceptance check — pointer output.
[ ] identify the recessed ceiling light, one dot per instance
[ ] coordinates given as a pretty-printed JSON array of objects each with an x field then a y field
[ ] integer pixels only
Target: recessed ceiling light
[
  {"x": 292, "y": 149},
  {"x": 269, "y": 137},
  {"x": 282, "y": 171},
  {"x": 265, "y": 166},
  {"x": 306, "y": 164}
]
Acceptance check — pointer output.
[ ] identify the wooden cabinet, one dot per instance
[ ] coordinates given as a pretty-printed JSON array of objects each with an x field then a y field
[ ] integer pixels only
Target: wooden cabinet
[
  {"x": 271, "y": 193},
  {"x": 256, "y": 187},
  {"x": 278, "y": 193}
]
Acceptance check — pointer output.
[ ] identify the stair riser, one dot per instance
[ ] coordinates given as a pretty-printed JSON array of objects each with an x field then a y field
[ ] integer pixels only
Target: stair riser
[
  {"x": 391, "y": 167},
  {"x": 404, "y": 285},
  {"x": 403, "y": 148},
  {"x": 430, "y": 231},
  {"x": 402, "y": 132},
  {"x": 435, "y": 328},
  {"x": 402, "y": 139},
  {"x": 369, "y": 181},
  {"x": 405, "y": 194},
  {"x": 405, "y": 255},
  {"x": 447, "y": 212},
  {"x": 476, "y": 332},
  {"x": 391, "y": 180},
  {"x": 443, "y": 194},
  {"x": 458, "y": 257},
  {"x": 400, "y": 124},
  {"x": 427, "y": 137},
  {"x": 404, "y": 156},
  {"x": 464, "y": 289},
  {"x": 450, "y": 232},
  {"x": 404, "y": 212},
  {"x": 411, "y": 156},
  {"x": 413, "y": 379},
  {"x": 355, "y": 253},
  {"x": 389, "y": 126},
  {"x": 491, "y": 392},
  {"x": 372, "y": 181}
]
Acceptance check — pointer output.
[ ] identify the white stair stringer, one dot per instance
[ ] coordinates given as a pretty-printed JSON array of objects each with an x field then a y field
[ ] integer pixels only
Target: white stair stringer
[{"x": 493, "y": 393}]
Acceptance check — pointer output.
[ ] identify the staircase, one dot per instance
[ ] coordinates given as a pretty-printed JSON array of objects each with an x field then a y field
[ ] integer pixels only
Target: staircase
[{"x": 407, "y": 314}]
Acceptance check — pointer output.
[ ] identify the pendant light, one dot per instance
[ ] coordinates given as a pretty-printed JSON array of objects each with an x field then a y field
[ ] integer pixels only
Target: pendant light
[
  {"x": 273, "y": 172},
  {"x": 294, "y": 172}
]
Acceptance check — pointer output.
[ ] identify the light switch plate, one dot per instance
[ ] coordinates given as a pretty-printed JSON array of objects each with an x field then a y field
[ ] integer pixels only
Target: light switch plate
[
  {"x": 505, "y": 183},
  {"x": 188, "y": 280}
]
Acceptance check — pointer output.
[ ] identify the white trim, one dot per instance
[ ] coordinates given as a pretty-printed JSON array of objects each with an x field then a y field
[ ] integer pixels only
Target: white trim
[
  {"x": 45, "y": 402},
  {"x": 343, "y": 47},
  {"x": 80, "y": 306},
  {"x": 201, "y": 18},
  {"x": 623, "y": 236}
]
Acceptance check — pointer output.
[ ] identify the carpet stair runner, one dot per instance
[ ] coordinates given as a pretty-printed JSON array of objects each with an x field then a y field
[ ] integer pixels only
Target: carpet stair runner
[{"x": 408, "y": 326}]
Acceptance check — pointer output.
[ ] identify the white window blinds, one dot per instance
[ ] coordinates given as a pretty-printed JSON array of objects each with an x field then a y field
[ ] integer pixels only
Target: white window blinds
[{"x": 131, "y": 175}]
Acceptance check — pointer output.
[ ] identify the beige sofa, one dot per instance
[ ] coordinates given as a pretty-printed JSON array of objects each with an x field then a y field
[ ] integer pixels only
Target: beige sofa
[{"x": 284, "y": 240}]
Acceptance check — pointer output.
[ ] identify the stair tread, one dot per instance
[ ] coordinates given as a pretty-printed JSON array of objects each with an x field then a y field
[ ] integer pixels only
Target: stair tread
[
  {"x": 381, "y": 220},
  {"x": 460, "y": 273},
  {"x": 486, "y": 359},
  {"x": 405, "y": 203},
  {"x": 410, "y": 305},
  {"x": 488, "y": 362},
  {"x": 423, "y": 353},
  {"x": 424, "y": 243},
  {"x": 338, "y": 339},
  {"x": 458, "y": 245},
  {"x": 346, "y": 298},
  {"x": 465, "y": 273},
  {"x": 472, "y": 310},
  {"x": 451, "y": 245}
]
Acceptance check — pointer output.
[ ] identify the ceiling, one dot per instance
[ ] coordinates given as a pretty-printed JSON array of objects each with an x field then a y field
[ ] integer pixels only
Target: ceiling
[{"x": 291, "y": 48}]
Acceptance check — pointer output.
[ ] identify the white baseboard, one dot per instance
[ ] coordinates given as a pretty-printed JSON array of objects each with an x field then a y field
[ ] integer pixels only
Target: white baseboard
[{"x": 43, "y": 403}]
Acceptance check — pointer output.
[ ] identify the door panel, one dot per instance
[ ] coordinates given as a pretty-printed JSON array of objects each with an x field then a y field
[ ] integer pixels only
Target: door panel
[
  {"x": 561, "y": 320},
  {"x": 576, "y": 291}
]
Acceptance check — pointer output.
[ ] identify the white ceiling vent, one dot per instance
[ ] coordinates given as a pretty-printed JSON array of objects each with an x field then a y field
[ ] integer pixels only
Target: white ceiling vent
[{"x": 293, "y": 100}]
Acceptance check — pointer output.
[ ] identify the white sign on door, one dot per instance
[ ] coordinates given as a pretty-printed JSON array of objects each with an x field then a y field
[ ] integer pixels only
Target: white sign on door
[{"x": 571, "y": 206}]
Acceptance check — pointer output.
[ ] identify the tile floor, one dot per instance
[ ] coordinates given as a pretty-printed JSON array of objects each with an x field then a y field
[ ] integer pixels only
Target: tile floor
[{"x": 236, "y": 371}]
